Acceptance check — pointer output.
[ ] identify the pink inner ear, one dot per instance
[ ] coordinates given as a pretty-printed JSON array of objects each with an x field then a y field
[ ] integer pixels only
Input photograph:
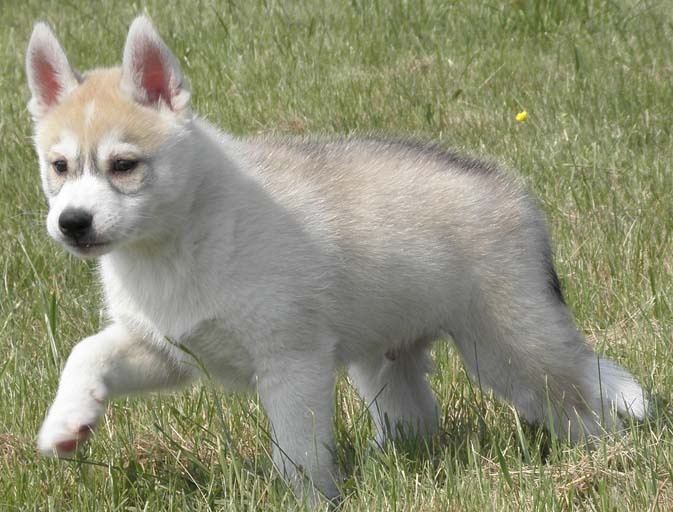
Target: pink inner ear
[
  {"x": 154, "y": 75},
  {"x": 46, "y": 79}
]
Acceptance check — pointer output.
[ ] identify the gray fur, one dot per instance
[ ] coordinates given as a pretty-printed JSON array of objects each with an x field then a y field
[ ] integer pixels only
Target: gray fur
[{"x": 275, "y": 262}]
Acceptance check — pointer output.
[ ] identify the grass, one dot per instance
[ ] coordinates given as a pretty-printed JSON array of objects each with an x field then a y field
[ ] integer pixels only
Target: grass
[{"x": 595, "y": 78}]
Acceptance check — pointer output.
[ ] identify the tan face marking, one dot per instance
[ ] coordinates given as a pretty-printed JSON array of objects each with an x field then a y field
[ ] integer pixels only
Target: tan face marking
[
  {"x": 110, "y": 149},
  {"x": 96, "y": 123},
  {"x": 66, "y": 149},
  {"x": 111, "y": 111},
  {"x": 89, "y": 113}
]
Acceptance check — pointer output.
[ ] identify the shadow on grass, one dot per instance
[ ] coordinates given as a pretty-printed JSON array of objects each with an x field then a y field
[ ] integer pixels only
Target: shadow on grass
[{"x": 482, "y": 430}]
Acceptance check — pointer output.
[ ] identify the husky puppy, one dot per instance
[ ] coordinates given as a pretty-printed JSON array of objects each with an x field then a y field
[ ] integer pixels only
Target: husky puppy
[{"x": 275, "y": 262}]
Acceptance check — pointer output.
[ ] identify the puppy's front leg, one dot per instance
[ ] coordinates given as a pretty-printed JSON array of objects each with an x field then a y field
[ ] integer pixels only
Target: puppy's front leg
[
  {"x": 111, "y": 363},
  {"x": 297, "y": 392}
]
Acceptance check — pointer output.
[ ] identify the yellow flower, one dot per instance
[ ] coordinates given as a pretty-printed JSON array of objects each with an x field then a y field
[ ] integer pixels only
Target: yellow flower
[{"x": 522, "y": 116}]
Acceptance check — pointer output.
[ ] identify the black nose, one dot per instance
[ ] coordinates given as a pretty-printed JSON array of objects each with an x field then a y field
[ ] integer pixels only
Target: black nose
[{"x": 75, "y": 223}]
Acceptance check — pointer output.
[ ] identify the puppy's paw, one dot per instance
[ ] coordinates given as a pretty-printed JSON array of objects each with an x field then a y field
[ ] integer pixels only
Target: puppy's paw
[{"x": 69, "y": 423}]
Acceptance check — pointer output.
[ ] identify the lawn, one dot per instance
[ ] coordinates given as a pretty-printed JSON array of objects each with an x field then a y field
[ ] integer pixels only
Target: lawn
[{"x": 596, "y": 79}]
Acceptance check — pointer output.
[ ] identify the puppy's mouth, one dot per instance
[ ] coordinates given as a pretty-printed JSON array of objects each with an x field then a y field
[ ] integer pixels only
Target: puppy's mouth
[{"x": 88, "y": 248}]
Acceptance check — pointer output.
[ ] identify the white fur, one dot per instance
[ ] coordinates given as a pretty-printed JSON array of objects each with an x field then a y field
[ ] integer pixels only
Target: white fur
[
  {"x": 44, "y": 46},
  {"x": 112, "y": 146},
  {"x": 68, "y": 146},
  {"x": 275, "y": 263},
  {"x": 141, "y": 38}
]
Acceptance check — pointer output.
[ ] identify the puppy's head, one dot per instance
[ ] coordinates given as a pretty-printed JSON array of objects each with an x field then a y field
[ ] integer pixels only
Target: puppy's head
[{"x": 109, "y": 141}]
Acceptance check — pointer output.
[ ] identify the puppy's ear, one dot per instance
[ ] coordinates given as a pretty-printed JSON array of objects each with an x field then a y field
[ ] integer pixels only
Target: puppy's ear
[
  {"x": 50, "y": 77},
  {"x": 150, "y": 72}
]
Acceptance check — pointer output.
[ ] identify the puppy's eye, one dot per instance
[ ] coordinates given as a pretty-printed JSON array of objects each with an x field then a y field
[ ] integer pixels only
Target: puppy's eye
[
  {"x": 60, "y": 166},
  {"x": 124, "y": 165}
]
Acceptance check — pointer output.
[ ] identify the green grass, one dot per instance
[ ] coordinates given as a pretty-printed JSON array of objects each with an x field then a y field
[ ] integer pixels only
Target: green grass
[{"x": 596, "y": 78}]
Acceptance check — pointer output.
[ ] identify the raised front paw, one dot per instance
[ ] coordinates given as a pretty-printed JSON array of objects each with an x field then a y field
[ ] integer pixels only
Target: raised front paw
[{"x": 69, "y": 423}]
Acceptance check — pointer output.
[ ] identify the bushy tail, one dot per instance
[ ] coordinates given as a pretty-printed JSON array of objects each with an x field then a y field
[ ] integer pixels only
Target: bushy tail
[{"x": 620, "y": 391}]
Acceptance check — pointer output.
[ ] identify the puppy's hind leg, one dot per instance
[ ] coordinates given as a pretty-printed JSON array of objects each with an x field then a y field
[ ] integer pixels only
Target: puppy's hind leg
[
  {"x": 396, "y": 390},
  {"x": 528, "y": 350}
]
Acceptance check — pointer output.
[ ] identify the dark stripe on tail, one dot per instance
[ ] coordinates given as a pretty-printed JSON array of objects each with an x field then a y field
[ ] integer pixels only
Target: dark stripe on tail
[
  {"x": 555, "y": 284},
  {"x": 552, "y": 276}
]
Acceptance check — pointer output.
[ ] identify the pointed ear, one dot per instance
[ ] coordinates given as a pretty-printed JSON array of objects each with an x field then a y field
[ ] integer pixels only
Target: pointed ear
[
  {"x": 150, "y": 72},
  {"x": 50, "y": 77}
]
